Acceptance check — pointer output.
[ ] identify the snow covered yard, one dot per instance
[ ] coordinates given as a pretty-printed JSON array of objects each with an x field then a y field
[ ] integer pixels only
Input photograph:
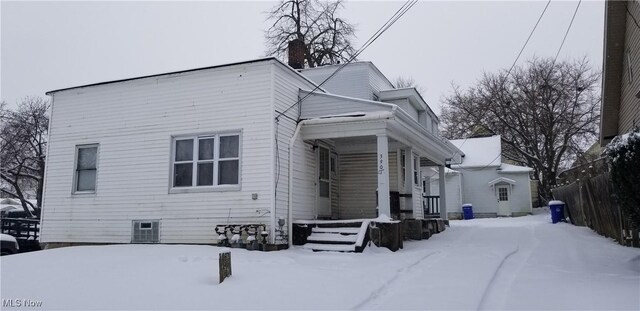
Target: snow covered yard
[{"x": 510, "y": 263}]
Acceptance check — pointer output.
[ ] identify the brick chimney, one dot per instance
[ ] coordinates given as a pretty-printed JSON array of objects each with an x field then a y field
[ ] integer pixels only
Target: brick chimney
[{"x": 296, "y": 54}]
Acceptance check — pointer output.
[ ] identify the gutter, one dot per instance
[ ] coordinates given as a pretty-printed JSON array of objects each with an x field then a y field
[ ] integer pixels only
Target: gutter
[{"x": 382, "y": 116}]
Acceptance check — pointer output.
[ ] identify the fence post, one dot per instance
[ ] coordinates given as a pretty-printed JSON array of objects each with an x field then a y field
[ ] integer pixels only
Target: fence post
[{"x": 224, "y": 265}]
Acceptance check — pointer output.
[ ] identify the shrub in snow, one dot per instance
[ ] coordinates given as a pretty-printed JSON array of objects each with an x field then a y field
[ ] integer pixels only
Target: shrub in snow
[{"x": 623, "y": 158}]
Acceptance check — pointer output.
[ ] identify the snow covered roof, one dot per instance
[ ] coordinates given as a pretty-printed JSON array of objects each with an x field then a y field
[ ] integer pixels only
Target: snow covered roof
[
  {"x": 479, "y": 152},
  {"x": 509, "y": 168}
]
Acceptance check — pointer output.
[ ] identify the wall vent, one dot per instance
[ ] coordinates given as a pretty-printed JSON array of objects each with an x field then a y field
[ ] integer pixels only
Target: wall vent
[{"x": 145, "y": 231}]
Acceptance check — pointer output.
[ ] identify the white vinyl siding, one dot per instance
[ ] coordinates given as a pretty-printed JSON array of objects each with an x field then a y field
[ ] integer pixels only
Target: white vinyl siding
[
  {"x": 286, "y": 86},
  {"x": 476, "y": 190},
  {"x": 359, "y": 181},
  {"x": 352, "y": 80},
  {"x": 134, "y": 121},
  {"x": 321, "y": 105},
  {"x": 209, "y": 161}
]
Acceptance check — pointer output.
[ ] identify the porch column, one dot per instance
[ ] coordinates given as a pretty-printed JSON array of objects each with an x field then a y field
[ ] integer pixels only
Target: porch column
[
  {"x": 443, "y": 193},
  {"x": 383, "y": 175}
]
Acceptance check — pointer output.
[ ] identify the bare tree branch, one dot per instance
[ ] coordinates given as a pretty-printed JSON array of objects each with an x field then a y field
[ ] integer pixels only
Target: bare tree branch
[
  {"x": 327, "y": 37},
  {"x": 546, "y": 113}
]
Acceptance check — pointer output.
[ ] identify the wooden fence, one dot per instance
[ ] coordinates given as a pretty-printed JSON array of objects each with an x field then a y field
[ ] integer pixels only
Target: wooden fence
[
  {"x": 589, "y": 202},
  {"x": 26, "y": 232}
]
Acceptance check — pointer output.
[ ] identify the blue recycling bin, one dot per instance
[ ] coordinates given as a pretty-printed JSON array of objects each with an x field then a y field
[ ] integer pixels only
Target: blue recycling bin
[
  {"x": 557, "y": 211},
  {"x": 467, "y": 211}
]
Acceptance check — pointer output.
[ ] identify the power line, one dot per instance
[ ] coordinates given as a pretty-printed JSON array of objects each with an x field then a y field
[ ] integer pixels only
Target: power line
[
  {"x": 528, "y": 38},
  {"x": 626, "y": 6},
  {"x": 566, "y": 33},
  {"x": 397, "y": 15}
]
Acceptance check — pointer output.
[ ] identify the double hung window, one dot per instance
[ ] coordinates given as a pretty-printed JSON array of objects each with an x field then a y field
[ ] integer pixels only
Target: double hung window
[
  {"x": 86, "y": 167},
  {"x": 206, "y": 161}
]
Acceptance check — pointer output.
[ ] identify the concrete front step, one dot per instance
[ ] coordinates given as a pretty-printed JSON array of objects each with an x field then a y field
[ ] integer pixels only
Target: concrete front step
[
  {"x": 330, "y": 247},
  {"x": 332, "y": 237}
]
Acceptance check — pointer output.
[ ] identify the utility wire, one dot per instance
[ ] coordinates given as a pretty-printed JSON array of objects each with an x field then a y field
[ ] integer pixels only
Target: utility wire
[
  {"x": 535, "y": 26},
  {"x": 528, "y": 38},
  {"x": 397, "y": 15},
  {"x": 566, "y": 33},
  {"x": 626, "y": 6}
]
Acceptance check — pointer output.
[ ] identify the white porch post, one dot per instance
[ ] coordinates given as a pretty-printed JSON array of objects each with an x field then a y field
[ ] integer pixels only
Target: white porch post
[
  {"x": 383, "y": 175},
  {"x": 443, "y": 194}
]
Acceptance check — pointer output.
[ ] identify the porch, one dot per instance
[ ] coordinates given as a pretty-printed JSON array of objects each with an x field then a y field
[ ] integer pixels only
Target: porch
[{"x": 367, "y": 177}]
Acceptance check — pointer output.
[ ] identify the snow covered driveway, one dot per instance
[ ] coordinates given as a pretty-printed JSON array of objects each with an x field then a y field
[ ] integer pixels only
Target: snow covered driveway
[{"x": 486, "y": 264}]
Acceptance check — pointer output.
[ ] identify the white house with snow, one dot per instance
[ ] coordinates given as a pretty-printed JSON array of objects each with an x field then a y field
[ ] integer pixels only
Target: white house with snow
[
  {"x": 492, "y": 187},
  {"x": 170, "y": 158}
]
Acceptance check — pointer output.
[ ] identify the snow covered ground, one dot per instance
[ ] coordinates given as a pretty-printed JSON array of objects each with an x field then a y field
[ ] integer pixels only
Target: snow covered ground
[{"x": 488, "y": 264}]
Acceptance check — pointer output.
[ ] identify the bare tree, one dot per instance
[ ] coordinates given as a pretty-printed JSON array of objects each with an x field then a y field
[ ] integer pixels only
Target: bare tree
[
  {"x": 405, "y": 82},
  {"x": 326, "y": 36},
  {"x": 546, "y": 112},
  {"x": 23, "y": 143}
]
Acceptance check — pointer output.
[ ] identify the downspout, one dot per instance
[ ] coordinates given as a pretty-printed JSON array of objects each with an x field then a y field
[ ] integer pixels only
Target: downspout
[
  {"x": 292, "y": 141},
  {"x": 290, "y": 200}
]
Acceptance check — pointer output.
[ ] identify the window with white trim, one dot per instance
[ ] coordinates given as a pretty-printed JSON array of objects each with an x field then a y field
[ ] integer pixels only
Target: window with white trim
[
  {"x": 206, "y": 161},
  {"x": 416, "y": 169},
  {"x": 86, "y": 168}
]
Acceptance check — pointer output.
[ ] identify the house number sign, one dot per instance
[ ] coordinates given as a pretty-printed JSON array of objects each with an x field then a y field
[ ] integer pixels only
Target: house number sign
[{"x": 380, "y": 165}]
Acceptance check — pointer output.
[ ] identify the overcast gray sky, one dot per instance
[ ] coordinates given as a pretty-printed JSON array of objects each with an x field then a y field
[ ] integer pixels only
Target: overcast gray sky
[{"x": 51, "y": 45}]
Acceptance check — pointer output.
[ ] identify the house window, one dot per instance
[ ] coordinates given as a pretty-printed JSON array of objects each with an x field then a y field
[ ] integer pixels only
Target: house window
[
  {"x": 86, "y": 167},
  {"x": 416, "y": 168},
  {"x": 403, "y": 166},
  {"x": 206, "y": 161},
  {"x": 503, "y": 194}
]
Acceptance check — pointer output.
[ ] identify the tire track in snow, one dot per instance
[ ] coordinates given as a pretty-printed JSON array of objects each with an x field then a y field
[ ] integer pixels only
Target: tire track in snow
[
  {"x": 499, "y": 286},
  {"x": 496, "y": 272},
  {"x": 379, "y": 292}
]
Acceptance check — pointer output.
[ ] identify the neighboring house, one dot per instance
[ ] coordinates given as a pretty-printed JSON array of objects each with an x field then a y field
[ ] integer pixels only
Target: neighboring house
[
  {"x": 621, "y": 70},
  {"x": 493, "y": 187},
  {"x": 167, "y": 158}
]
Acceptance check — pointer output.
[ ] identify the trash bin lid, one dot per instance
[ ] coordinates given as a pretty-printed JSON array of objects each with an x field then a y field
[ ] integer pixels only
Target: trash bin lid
[
  {"x": 467, "y": 205},
  {"x": 556, "y": 202}
]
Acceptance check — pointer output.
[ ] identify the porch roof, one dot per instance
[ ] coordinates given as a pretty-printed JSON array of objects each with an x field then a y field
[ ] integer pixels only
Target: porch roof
[
  {"x": 352, "y": 117},
  {"x": 391, "y": 122}
]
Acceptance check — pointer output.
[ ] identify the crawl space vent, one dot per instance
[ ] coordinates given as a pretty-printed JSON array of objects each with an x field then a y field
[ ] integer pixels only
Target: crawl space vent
[{"x": 145, "y": 231}]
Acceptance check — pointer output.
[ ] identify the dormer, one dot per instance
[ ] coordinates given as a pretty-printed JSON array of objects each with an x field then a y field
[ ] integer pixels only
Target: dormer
[
  {"x": 409, "y": 100},
  {"x": 358, "y": 80}
]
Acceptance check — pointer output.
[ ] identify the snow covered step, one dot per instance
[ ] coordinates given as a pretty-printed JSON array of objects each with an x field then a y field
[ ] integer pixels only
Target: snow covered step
[
  {"x": 330, "y": 247},
  {"x": 343, "y": 230},
  {"x": 332, "y": 237}
]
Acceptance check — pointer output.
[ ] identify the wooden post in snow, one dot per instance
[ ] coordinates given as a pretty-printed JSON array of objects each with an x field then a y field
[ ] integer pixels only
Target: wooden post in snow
[{"x": 224, "y": 265}]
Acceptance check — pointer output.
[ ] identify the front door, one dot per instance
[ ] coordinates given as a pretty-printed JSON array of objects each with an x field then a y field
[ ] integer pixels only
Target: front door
[
  {"x": 323, "y": 200},
  {"x": 504, "y": 195}
]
